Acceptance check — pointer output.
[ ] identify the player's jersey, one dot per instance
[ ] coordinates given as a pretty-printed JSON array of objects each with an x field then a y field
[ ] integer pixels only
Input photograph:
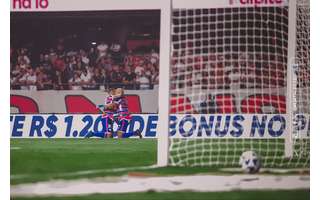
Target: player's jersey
[
  {"x": 123, "y": 110},
  {"x": 109, "y": 99},
  {"x": 109, "y": 113}
]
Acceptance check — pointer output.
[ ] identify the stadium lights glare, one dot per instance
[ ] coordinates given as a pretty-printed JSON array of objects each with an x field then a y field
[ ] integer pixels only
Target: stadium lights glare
[{"x": 93, "y": 43}]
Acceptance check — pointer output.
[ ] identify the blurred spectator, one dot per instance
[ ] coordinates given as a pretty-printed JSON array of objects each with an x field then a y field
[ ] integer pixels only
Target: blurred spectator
[
  {"x": 46, "y": 63},
  {"x": 45, "y": 83},
  {"x": 115, "y": 77},
  {"x": 129, "y": 59},
  {"x": 115, "y": 52},
  {"x": 92, "y": 56},
  {"x": 75, "y": 82},
  {"x": 208, "y": 105},
  {"x": 84, "y": 58},
  {"x": 129, "y": 78},
  {"x": 31, "y": 79},
  {"x": 101, "y": 67},
  {"x": 154, "y": 57},
  {"x": 102, "y": 49},
  {"x": 23, "y": 57},
  {"x": 15, "y": 76},
  {"x": 155, "y": 77},
  {"x": 115, "y": 47},
  {"x": 148, "y": 70},
  {"x": 140, "y": 68},
  {"x": 234, "y": 77},
  {"x": 27, "y": 79},
  {"x": 22, "y": 79},
  {"x": 56, "y": 79},
  {"x": 143, "y": 81},
  {"x": 86, "y": 79},
  {"x": 59, "y": 64},
  {"x": 98, "y": 80},
  {"x": 52, "y": 55}
]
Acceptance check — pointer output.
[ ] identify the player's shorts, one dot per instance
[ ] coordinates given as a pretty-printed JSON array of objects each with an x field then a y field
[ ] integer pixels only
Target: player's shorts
[{"x": 123, "y": 125}]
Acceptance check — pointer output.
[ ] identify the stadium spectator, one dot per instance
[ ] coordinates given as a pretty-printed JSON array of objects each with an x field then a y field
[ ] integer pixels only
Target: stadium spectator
[
  {"x": 47, "y": 65},
  {"x": 148, "y": 69},
  {"x": 44, "y": 83},
  {"x": 59, "y": 64},
  {"x": 234, "y": 77},
  {"x": 154, "y": 57},
  {"x": 115, "y": 52},
  {"x": 128, "y": 59},
  {"x": 208, "y": 105},
  {"x": 84, "y": 58},
  {"x": 100, "y": 67},
  {"x": 129, "y": 78},
  {"x": 102, "y": 49},
  {"x": 22, "y": 79},
  {"x": 75, "y": 82},
  {"x": 115, "y": 77},
  {"x": 26, "y": 79},
  {"x": 31, "y": 79},
  {"x": 139, "y": 69},
  {"x": 155, "y": 78},
  {"x": 52, "y": 55},
  {"x": 92, "y": 56},
  {"x": 39, "y": 77},
  {"x": 86, "y": 79},
  {"x": 143, "y": 81},
  {"x": 55, "y": 67},
  {"x": 56, "y": 80},
  {"x": 97, "y": 80},
  {"x": 23, "y": 57}
]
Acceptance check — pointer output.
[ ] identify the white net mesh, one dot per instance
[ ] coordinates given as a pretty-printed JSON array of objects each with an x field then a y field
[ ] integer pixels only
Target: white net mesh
[
  {"x": 301, "y": 84},
  {"x": 234, "y": 61}
]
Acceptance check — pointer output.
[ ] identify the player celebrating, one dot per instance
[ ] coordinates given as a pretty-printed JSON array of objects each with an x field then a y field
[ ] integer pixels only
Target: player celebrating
[
  {"x": 124, "y": 116},
  {"x": 116, "y": 111},
  {"x": 109, "y": 115}
]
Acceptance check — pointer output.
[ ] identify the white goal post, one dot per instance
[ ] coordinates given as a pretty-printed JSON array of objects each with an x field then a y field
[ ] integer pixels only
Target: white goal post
[{"x": 238, "y": 80}]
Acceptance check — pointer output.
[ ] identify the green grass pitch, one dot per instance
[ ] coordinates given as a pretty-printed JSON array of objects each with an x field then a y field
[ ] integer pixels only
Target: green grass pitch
[
  {"x": 34, "y": 160},
  {"x": 45, "y": 159}
]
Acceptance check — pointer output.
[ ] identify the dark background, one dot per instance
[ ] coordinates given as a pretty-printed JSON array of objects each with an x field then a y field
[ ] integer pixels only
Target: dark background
[{"x": 37, "y": 30}]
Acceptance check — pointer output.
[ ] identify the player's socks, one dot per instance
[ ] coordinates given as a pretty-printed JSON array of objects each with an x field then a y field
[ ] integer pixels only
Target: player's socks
[{"x": 138, "y": 133}]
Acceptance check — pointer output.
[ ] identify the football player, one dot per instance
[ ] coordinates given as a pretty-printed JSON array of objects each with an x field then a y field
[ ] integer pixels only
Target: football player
[
  {"x": 108, "y": 114},
  {"x": 123, "y": 115},
  {"x": 116, "y": 111}
]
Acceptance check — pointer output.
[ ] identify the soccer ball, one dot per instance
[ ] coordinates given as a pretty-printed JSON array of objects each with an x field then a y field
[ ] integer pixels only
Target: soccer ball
[{"x": 250, "y": 162}]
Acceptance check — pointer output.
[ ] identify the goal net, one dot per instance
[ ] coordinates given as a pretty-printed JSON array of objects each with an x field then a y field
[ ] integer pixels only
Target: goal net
[
  {"x": 237, "y": 85},
  {"x": 301, "y": 84}
]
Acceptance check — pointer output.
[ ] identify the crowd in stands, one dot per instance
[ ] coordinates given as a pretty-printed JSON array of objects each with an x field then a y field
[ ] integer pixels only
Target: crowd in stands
[
  {"x": 98, "y": 68},
  {"x": 227, "y": 71},
  {"x": 105, "y": 66}
]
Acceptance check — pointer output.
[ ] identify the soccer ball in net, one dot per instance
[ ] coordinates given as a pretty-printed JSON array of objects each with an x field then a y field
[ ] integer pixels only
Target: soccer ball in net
[{"x": 250, "y": 162}]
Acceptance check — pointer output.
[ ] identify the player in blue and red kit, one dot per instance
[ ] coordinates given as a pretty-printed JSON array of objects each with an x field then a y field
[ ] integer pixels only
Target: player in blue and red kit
[
  {"x": 109, "y": 114},
  {"x": 116, "y": 111},
  {"x": 123, "y": 115}
]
